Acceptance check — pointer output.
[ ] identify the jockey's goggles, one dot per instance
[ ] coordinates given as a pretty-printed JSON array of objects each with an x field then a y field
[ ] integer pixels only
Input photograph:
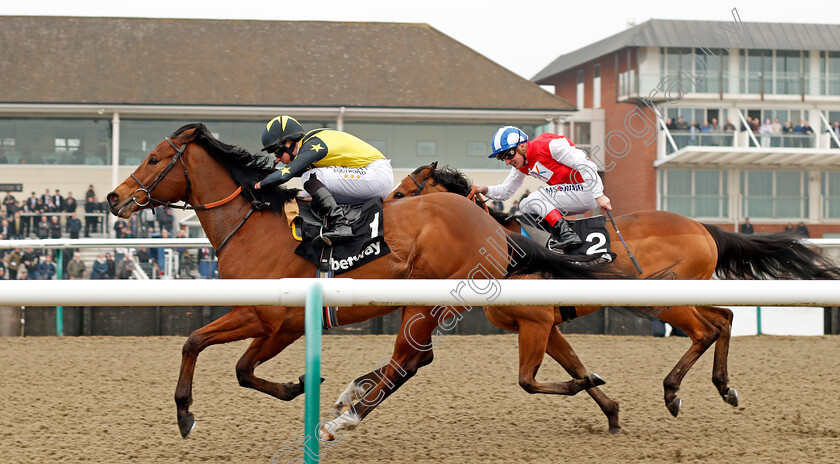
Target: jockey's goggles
[
  {"x": 506, "y": 154},
  {"x": 278, "y": 149}
]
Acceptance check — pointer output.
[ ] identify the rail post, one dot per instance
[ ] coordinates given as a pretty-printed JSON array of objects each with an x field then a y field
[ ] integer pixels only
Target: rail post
[
  {"x": 312, "y": 380},
  {"x": 59, "y": 310}
]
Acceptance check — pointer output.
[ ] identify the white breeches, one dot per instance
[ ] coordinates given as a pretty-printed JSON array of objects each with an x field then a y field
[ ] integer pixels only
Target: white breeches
[
  {"x": 352, "y": 185},
  {"x": 569, "y": 199}
]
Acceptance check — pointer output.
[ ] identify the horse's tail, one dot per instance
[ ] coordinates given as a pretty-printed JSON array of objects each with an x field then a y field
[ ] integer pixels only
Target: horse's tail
[
  {"x": 768, "y": 256},
  {"x": 528, "y": 257}
]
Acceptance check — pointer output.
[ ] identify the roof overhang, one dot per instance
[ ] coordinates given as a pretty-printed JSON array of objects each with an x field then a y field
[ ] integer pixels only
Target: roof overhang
[
  {"x": 263, "y": 112},
  {"x": 743, "y": 157}
]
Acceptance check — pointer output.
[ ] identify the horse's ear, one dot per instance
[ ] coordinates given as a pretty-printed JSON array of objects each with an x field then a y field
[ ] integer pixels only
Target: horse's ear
[
  {"x": 433, "y": 166},
  {"x": 188, "y": 135}
]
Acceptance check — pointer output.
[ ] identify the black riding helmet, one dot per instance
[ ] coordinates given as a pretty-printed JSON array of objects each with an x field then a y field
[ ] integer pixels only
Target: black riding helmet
[{"x": 278, "y": 131}]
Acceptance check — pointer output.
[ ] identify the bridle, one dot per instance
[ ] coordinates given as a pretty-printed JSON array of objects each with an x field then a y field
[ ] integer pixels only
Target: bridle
[
  {"x": 474, "y": 196},
  {"x": 419, "y": 185},
  {"x": 179, "y": 155}
]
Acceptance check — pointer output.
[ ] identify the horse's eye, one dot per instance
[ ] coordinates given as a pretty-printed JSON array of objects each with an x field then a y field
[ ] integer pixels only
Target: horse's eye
[
  {"x": 153, "y": 160},
  {"x": 398, "y": 195}
]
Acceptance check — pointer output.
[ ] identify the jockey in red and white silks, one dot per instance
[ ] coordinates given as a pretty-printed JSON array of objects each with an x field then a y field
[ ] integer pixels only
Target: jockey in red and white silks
[{"x": 574, "y": 186}]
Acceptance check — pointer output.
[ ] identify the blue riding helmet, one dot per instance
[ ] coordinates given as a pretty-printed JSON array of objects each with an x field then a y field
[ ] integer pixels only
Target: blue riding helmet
[{"x": 505, "y": 140}]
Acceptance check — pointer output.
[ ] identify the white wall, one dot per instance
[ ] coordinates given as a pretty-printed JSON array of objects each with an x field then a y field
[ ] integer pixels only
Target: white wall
[{"x": 777, "y": 320}]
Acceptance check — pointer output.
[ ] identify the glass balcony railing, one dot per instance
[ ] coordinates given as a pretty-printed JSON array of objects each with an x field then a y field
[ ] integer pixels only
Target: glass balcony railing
[
  {"x": 684, "y": 139},
  {"x": 701, "y": 139},
  {"x": 661, "y": 86},
  {"x": 780, "y": 83}
]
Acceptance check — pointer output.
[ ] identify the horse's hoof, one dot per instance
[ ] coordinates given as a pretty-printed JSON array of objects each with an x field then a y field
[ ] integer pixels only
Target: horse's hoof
[
  {"x": 731, "y": 397},
  {"x": 674, "y": 406},
  {"x": 303, "y": 377},
  {"x": 614, "y": 430},
  {"x": 594, "y": 380},
  {"x": 186, "y": 424},
  {"x": 325, "y": 436}
]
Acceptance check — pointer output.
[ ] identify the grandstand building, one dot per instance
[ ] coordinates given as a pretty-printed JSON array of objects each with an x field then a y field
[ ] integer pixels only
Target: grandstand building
[
  {"x": 627, "y": 87},
  {"x": 84, "y": 100}
]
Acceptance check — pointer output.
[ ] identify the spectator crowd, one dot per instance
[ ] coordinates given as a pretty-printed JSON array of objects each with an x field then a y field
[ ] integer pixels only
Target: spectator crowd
[
  {"x": 769, "y": 134},
  {"x": 54, "y": 215},
  {"x": 50, "y": 215}
]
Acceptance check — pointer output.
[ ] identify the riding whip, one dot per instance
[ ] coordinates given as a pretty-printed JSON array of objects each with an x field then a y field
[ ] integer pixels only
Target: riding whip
[{"x": 632, "y": 258}]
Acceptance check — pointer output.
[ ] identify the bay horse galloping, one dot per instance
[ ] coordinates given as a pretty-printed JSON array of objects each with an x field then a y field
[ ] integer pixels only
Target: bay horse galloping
[
  {"x": 440, "y": 236},
  {"x": 689, "y": 250}
]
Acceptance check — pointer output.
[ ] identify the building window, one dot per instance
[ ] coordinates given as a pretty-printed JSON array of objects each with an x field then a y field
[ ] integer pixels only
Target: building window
[
  {"x": 677, "y": 65},
  {"x": 776, "y": 72},
  {"x": 477, "y": 149},
  {"x": 831, "y": 195},
  {"x": 140, "y": 136},
  {"x": 775, "y": 194},
  {"x": 711, "y": 70},
  {"x": 66, "y": 145},
  {"x": 8, "y": 155},
  {"x": 55, "y": 140},
  {"x": 426, "y": 148},
  {"x": 695, "y": 193},
  {"x": 596, "y": 87},
  {"x": 789, "y": 72},
  {"x": 583, "y": 134},
  {"x": 700, "y": 70},
  {"x": 830, "y": 73},
  {"x": 580, "y": 89},
  {"x": 756, "y": 67}
]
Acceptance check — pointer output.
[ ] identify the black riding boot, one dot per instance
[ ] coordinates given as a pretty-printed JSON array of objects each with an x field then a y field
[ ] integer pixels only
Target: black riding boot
[
  {"x": 566, "y": 237},
  {"x": 338, "y": 228}
]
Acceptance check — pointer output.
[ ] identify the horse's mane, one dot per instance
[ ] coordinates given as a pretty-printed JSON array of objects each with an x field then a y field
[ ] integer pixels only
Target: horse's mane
[
  {"x": 246, "y": 169},
  {"x": 456, "y": 181}
]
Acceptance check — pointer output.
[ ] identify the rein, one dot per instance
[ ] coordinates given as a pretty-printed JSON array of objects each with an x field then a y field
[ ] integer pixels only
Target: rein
[
  {"x": 179, "y": 155},
  {"x": 476, "y": 198}
]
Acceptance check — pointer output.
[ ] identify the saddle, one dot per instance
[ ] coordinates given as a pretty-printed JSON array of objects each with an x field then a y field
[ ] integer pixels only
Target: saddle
[
  {"x": 368, "y": 232},
  {"x": 592, "y": 231}
]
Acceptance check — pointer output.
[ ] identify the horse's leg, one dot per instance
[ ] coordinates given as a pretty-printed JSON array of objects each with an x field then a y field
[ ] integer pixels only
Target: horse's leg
[
  {"x": 533, "y": 343},
  {"x": 722, "y": 319},
  {"x": 357, "y": 389},
  {"x": 239, "y": 324},
  {"x": 412, "y": 350},
  {"x": 562, "y": 352},
  {"x": 420, "y": 340},
  {"x": 702, "y": 334},
  {"x": 261, "y": 350}
]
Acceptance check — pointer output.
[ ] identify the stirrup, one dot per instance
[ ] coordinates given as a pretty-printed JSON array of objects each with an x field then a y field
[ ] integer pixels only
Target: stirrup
[{"x": 332, "y": 237}]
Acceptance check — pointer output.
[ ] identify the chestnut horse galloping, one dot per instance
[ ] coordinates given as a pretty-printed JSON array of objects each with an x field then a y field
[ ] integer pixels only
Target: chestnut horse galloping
[
  {"x": 440, "y": 236},
  {"x": 688, "y": 249}
]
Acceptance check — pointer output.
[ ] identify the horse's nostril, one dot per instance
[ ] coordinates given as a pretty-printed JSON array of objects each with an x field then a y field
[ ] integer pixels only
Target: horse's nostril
[{"x": 113, "y": 198}]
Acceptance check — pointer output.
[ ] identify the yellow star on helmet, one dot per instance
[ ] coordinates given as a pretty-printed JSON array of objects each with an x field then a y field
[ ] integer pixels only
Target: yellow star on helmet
[
  {"x": 317, "y": 147},
  {"x": 285, "y": 171}
]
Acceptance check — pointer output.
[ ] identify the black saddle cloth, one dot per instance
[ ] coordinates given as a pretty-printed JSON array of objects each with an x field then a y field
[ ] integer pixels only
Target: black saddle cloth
[
  {"x": 368, "y": 242},
  {"x": 592, "y": 231}
]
